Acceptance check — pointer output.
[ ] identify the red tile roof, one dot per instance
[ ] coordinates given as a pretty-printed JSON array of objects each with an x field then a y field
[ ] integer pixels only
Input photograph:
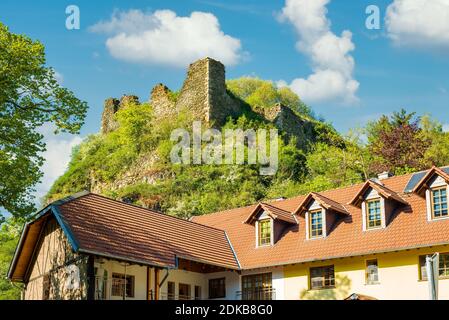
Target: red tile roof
[
  {"x": 325, "y": 202},
  {"x": 434, "y": 170},
  {"x": 381, "y": 189},
  {"x": 274, "y": 212},
  {"x": 407, "y": 229},
  {"x": 112, "y": 228}
]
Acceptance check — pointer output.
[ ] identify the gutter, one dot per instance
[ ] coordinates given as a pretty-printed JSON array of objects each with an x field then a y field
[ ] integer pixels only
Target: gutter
[
  {"x": 233, "y": 251},
  {"x": 291, "y": 262},
  {"x": 115, "y": 257}
]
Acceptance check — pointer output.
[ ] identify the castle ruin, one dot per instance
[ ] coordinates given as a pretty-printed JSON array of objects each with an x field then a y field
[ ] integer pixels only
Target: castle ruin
[{"x": 204, "y": 93}]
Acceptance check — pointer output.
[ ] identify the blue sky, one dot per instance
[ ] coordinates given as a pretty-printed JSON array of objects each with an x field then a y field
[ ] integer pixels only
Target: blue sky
[{"x": 404, "y": 64}]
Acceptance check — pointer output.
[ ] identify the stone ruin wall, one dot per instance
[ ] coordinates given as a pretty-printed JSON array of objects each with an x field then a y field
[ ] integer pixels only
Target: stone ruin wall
[
  {"x": 204, "y": 93},
  {"x": 111, "y": 106}
]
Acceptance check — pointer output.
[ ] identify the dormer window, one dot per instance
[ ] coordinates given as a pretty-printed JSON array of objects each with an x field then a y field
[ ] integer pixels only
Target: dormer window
[
  {"x": 378, "y": 204},
  {"x": 264, "y": 232},
  {"x": 439, "y": 202},
  {"x": 373, "y": 214},
  {"x": 321, "y": 215},
  {"x": 269, "y": 223},
  {"x": 434, "y": 186},
  {"x": 316, "y": 224}
]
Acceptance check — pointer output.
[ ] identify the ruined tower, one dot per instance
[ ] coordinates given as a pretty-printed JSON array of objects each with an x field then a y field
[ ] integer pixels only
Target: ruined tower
[
  {"x": 205, "y": 96},
  {"x": 203, "y": 93},
  {"x": 111, "y": 106}
]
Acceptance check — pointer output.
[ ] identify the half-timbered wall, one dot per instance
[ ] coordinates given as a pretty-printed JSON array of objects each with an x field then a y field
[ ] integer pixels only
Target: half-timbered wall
[{"x": 55, "y": 271}]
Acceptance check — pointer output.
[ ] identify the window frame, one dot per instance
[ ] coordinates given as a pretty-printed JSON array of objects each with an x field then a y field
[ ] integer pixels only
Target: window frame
[
  {"x": 171, "y": 295},
  {"x": 324, "y": 274},
  {"x": 310, "y": 225},
  {"x": 367, "y": 214},
  {"x": 187, "y": 296},
  {"x": 257, "y": 286},
  {"x": 367, "y": 275},
  {"x": 218, "y": 293},
  {"x": 261, "y": 222},
  {"x": 197, "y": 292},
  {"x": 422, "y": 258},
  {"x": 432, "y": 203},
  {"x": 122, "y": 276}
]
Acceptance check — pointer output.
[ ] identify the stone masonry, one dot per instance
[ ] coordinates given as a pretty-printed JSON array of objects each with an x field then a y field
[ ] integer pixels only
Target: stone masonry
[{"x": 111, "y": 106}]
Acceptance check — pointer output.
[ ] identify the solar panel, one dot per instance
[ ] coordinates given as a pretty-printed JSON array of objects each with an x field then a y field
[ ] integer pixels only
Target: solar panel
[{"x": 416, "y": 177}]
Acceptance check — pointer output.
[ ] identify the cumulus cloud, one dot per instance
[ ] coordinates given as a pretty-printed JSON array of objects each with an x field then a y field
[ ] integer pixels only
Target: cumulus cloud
[
  {"x": 446, "y": 127},
  {"x": 163, "y": 37},
  {"x": 59, "y": 77},
  {"x": 419, "y": 23},
  {"x": 333, "y": 66},
  {"x": 57, "y": 156}
]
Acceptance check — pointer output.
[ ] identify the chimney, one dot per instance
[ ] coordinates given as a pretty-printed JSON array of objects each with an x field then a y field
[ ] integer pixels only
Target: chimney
[{"x": 384, "y": 175}]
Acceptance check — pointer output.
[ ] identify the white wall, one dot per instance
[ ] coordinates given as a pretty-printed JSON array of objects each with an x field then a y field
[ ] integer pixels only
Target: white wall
[{"x": 139, "y": 273}]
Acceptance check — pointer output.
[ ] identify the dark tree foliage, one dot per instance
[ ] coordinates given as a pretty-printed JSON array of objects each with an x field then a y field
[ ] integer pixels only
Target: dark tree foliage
[{"x": 396, "y": 143}]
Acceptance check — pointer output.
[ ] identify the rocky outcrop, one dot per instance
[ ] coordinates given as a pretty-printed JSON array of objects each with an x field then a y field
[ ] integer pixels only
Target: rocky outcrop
[{"x": 290, "y": 123}]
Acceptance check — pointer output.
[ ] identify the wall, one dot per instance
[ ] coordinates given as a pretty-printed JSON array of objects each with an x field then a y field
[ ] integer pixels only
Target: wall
[
  {"x": 54, "y": 259},
  {"x": 398, "y": 278},
  {"x": 204, "y": 93},
  {"x": 139, "y": 273}
]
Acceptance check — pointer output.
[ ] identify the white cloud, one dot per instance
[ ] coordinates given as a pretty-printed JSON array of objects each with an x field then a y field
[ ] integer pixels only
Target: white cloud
[
  {"x": 332, "y": 63},
  {"x": 57, "y": 156},
  {"x": 446, "y": 127},
  {"x": 419, "y": 23},
  {"x": 59, "y": 77},
  {"x": 162, "y": 37}
]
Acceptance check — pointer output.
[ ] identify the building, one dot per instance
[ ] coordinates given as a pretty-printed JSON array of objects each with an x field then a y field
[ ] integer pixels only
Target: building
[{"x": 366, "y": 241}]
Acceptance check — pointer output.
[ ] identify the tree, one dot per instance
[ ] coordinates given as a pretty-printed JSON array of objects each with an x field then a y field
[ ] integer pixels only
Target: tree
[
  {"x": 262, "y": 93},
  {"x": 397, "y": 143},
  {"x": 30, "y": 96},
  {"x": 9, "y": 235}
]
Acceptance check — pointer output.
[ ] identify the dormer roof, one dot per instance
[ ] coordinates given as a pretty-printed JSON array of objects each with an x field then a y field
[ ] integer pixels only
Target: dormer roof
[
  {"x": 381, "y": 189},
  {"x": 273, "y": 212},
  {"x": 325, "y": 202},
  {"x": 422, "y": 184}
]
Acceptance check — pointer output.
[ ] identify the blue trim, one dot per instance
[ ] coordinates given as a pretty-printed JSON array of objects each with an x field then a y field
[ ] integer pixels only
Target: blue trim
[{"x": 65, "y": 227}]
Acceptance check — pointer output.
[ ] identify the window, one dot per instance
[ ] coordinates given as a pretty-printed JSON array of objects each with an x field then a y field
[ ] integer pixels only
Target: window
[
  {"x": 443, "y": 266},
  {"x": 315, "y": 224},
  {"x": 439, "y": 202},
  {"x": 122, "y": 284},
  {"x": 197, "y": 293},
  {"x": 372, "y": 272},
  {"x": 184, "y": 291},
  {"x": 264, "y": 232},
  {"x": 170, "y": 290},
  {"x": 217, "y": 288},
  {"x": 373, "y": 214},
  {"x": 257, "y": 287},
  {"x": 322, "y": 278}
]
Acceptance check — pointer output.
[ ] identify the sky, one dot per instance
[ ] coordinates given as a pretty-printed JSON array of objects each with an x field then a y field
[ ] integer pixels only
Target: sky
[{"x": 322, "y": 49}]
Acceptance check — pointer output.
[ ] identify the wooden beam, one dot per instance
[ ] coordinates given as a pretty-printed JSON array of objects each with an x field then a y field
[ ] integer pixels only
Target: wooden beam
[
  {"x": 156, "y": 283},
  {"x": 148, "y": 282},
  {"x": 90, "y": 278}
]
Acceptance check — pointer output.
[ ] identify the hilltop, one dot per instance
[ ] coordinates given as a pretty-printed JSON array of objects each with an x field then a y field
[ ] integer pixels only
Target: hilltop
[{"x": 129, "y": 158}]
